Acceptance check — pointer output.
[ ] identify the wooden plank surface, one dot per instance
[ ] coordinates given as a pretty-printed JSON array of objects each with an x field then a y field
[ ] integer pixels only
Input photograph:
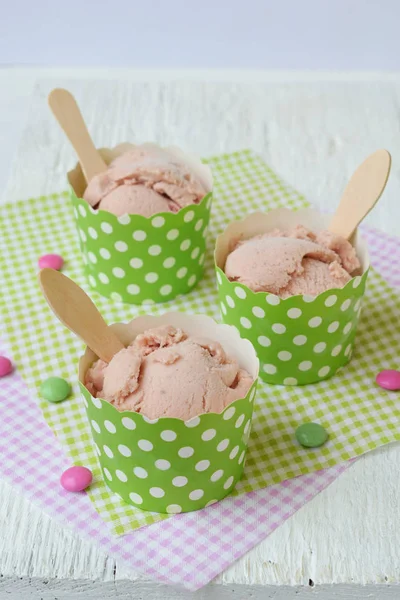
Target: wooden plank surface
[{"x": 314, "y": 133}]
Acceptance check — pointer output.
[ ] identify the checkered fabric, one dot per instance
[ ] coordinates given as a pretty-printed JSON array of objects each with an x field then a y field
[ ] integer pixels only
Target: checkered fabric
[
  {"x": 189, "y": 549},
  {"x": 357, "y": 414}
]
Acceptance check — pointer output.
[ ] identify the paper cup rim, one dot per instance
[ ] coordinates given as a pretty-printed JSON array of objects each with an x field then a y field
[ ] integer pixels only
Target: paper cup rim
[
  {"x": 262, "y": 222},
  {"x": 205, "y": 323},
  {"x": 193, "y": 162}
]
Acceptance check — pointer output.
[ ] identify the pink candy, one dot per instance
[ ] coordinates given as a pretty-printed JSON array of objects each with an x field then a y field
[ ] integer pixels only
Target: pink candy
[
  {"x": 389, "y": 379},
  {"x": 76, "y": 479},
  {"x": 51, "y": 261},
  {"x": 5, "y": 366}
]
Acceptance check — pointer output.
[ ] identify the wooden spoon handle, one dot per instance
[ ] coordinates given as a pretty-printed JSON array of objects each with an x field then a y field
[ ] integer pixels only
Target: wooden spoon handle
[
  {"x": 67, "y": 113},
  {"x": 362, "y": 193},
  {"x": 76, "y": 311}
]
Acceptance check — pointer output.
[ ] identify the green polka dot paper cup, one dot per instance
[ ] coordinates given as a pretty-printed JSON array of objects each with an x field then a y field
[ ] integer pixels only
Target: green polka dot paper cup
[
  {"x": 167, "y": 465},
  {"x": 136, "y": 259},
  {"x": 301, "y": 339}
]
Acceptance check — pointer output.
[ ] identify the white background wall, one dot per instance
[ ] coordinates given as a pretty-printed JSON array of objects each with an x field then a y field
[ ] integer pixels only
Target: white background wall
[{"x": 271, "y": 34}]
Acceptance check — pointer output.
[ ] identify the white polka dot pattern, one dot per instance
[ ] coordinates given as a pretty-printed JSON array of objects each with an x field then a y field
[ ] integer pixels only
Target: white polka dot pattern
[
  {"x": 124, "y": 450},
  {"x": 132, "y": 260},
  {"x": 110, "y": 426},
  {"x": 174, "y": 509},
  {"x": 135, "y": 498},
  {"x": 163, "y": 464},
  {"x": 186, "y": 452},
  {"x": 95, "y": 426},
  {"x": 104, "y": 253},
  {"x": 107, "y": 474},
  {"x": 167, "y": 465},
  {"x": 296, "y": 338},
  {"x": 140, "y": 472},
  {"x": 158, "y": 222},
  {"x": 157, "y": 492},
  {"x": 258, "y": 312}
]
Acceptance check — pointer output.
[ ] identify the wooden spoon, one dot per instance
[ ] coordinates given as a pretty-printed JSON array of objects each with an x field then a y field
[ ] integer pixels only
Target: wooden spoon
[
  {"x": 361, "y": 193},
  {"x": 67, "y": 113},
  {"x": 76, "y": 311}
]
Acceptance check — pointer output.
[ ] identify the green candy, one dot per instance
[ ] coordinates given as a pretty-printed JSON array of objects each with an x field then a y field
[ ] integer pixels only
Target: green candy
[
  {"x": 55, "y": 389},
  {"x": 311, "y": 435}
]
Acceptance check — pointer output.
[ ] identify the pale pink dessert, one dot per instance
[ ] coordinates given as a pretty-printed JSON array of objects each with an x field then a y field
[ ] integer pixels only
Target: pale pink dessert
[
  {"x": 165, "y": 372},
  {"x": 144, "y": 181},
  {"x": 293, "y": 262}
]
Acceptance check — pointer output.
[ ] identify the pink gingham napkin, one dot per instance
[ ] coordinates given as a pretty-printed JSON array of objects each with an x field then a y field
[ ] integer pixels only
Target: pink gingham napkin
[
  {"x": 188, "y": 549},
  {"x": 385, "y": 254}
]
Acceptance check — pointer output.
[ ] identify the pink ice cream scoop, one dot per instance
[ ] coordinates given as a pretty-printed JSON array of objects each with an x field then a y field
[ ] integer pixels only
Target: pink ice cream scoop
[
  {"x": 165, "y": 372},
  {"x": 293, "y": 262},
  {"x": 144, "y": 181}
]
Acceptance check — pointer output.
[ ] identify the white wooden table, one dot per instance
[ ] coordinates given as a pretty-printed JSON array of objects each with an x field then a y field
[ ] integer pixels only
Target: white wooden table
[{"x": 314, "y": 130}]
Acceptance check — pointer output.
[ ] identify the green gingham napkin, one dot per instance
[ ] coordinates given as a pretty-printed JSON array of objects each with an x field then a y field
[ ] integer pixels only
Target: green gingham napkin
[{"x": 358, "y": 415}]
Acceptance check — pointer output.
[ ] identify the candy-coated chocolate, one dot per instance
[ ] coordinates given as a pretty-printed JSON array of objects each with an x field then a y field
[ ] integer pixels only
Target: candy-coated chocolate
[
  {"x": 51, "y": 261},
  {"x": 311, "y": 435},
  {"x": 55, "y": 389},
  {"x": 5, "y": 366},
  {"x": 76, "y": 479},
  {"x": 389, "y": 379}
]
